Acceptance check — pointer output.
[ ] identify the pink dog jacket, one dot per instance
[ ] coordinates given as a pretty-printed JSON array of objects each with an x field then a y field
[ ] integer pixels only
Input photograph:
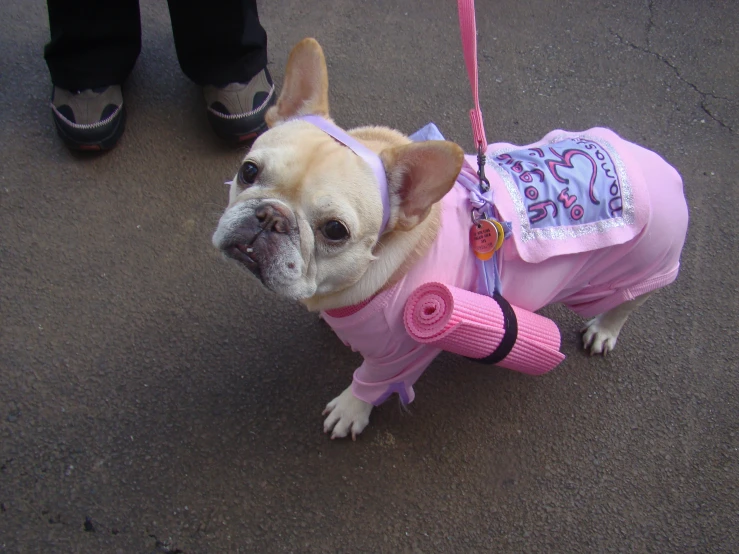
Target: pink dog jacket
[{"x": 595, "y": 220}]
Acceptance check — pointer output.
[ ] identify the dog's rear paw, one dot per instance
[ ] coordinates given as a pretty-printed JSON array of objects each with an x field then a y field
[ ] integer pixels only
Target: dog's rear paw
[
  {"x": 346, "y": 413},
  {"x": 598, "y": 337}
]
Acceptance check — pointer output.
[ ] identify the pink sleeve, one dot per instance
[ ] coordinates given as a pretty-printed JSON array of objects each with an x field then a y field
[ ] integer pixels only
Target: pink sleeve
[
  {"x": 377, "y": 379},
  {"x": 393, "y": 361}
]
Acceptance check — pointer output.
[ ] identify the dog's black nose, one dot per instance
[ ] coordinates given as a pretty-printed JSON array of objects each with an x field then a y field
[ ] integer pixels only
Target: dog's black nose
[{"x": 272, "y": 218}]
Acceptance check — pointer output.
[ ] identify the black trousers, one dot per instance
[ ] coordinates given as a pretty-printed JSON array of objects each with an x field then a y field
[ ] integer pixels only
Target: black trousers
[{"x": 95, "y": 43}]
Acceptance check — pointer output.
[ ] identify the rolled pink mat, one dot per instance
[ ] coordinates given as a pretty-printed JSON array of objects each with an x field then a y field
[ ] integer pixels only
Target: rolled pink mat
[{"x": 474, "y": 325}]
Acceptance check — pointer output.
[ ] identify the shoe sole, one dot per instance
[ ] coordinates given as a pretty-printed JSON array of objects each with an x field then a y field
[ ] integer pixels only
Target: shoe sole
[
  {"x": 105, "y": 143},
  {"x": 251, "y": 137},
  {"x": 228, "y": 135},
  {"x": 228, "y": 129}
]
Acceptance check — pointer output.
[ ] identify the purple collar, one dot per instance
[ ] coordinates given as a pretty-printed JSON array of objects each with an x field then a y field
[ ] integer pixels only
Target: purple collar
[{"x": 363, "y": 152}]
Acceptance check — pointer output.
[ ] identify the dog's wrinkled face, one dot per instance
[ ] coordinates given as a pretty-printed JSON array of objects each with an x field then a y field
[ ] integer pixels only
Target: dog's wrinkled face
[{"x": 304, "y": 212}]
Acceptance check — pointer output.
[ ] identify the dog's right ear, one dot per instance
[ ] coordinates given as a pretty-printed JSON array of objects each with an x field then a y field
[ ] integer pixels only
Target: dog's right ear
[{"x": 305, "y": 91}]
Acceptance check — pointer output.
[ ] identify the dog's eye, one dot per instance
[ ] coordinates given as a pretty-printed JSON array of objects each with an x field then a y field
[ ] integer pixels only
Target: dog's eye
[
  {"x": 335, "y": 230},
  {"x": 248, "y": 173}
]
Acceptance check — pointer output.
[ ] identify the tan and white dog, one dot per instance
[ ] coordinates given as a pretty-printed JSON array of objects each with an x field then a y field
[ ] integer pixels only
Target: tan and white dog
[{"x": 305, "y": 215}]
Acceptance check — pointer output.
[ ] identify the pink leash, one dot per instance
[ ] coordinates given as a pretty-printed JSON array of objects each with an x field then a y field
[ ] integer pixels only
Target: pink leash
[{"x": 468, "y": 29}]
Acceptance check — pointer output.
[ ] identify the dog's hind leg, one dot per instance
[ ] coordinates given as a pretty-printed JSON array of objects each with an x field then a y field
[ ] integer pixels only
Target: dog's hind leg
[{"x": 601, "y": 333}]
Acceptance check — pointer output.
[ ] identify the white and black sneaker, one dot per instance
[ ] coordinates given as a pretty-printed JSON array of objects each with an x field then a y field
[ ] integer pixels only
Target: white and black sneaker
[
  {"x": 236, "y": 111},
  {"x": 91, "y": 119}
]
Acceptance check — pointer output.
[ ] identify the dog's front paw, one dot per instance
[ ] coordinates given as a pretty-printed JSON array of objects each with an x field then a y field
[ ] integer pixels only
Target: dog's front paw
[
  {"x": 346, "y": 413},
  {"x": 598, "y": 337}
]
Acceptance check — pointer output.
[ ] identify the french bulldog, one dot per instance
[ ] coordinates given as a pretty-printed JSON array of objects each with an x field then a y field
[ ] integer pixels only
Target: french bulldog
[{"x": 350, "y": 223}]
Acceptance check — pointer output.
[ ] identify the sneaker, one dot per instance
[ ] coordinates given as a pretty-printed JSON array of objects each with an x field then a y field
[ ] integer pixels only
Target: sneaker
[
  {"x": 236, "y": 111},
  {"x": 91, "y": 119}
]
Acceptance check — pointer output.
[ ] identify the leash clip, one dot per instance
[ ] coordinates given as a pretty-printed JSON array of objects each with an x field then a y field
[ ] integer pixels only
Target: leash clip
[
  {"x": 484, "y": 183},
  {"x": 476, "y": 214}
]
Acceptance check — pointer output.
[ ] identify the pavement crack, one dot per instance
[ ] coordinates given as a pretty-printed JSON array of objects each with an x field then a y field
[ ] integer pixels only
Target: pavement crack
[
  {"x": 164, "y": 546},
  {"x": 704, "y": 95},
  {"x": 716, "y": 118}
]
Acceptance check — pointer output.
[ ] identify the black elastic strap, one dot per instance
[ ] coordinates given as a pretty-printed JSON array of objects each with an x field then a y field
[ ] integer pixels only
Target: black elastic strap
[{"x": 510, "y": 333}]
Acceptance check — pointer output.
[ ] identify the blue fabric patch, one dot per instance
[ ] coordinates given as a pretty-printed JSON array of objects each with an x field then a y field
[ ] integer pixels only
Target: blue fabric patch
[
  {"x": 429, "y": 132},
  {"x": 571, "y": 182}
]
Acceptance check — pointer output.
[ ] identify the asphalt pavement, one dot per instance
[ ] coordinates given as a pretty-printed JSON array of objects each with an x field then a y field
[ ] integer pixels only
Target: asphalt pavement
[{"x": 155, "y": 399}]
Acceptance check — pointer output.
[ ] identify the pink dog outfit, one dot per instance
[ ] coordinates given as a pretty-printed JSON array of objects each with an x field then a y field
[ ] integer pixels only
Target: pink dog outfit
[{"x": 594, "y": 221}]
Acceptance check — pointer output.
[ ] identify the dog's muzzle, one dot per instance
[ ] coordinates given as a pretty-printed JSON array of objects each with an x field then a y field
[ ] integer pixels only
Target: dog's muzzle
[{"x": 257, "y": 238}]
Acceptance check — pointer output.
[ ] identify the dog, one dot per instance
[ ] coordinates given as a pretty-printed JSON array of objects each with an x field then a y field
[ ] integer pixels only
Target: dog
[{"x": 349, "y": 224}]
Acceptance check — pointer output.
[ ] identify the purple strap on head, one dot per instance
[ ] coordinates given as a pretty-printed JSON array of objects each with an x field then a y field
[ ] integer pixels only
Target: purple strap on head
[{"x": 363, "y": 152}]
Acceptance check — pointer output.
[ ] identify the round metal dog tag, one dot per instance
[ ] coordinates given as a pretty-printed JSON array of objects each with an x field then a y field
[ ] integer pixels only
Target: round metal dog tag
[{"x": 484, "y": 239}]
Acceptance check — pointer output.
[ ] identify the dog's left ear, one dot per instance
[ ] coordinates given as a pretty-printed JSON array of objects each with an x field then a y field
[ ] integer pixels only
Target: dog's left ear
[
  {"x": 305, "y": 90},
  {"x": 419, "y": 175}
]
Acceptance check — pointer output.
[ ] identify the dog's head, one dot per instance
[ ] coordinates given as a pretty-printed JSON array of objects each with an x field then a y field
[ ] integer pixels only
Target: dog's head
[{"x": 305, "y": 212}]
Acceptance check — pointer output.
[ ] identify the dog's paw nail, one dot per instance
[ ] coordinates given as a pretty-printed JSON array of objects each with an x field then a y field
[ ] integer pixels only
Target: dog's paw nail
[{"x": 347, "y": 416}]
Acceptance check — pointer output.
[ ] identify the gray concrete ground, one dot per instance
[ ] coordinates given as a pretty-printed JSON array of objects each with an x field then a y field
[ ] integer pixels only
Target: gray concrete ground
[{"x": 154, "y": 399}]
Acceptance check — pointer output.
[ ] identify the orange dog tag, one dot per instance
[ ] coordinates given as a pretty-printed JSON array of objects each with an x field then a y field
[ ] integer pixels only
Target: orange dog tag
[{"x": 484, "y": 239}]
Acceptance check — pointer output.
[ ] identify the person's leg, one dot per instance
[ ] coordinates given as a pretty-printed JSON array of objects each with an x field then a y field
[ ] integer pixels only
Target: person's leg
[
  {"x": 223, "y": 47},
  {"x": 218, "y": 43},
  {"x": 93, "y": 48},
  {"x": 93, "y": 44}
]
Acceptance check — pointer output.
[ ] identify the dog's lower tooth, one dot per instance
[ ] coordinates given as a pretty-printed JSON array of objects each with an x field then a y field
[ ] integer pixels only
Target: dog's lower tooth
[{"x": 249, "y": 250}]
